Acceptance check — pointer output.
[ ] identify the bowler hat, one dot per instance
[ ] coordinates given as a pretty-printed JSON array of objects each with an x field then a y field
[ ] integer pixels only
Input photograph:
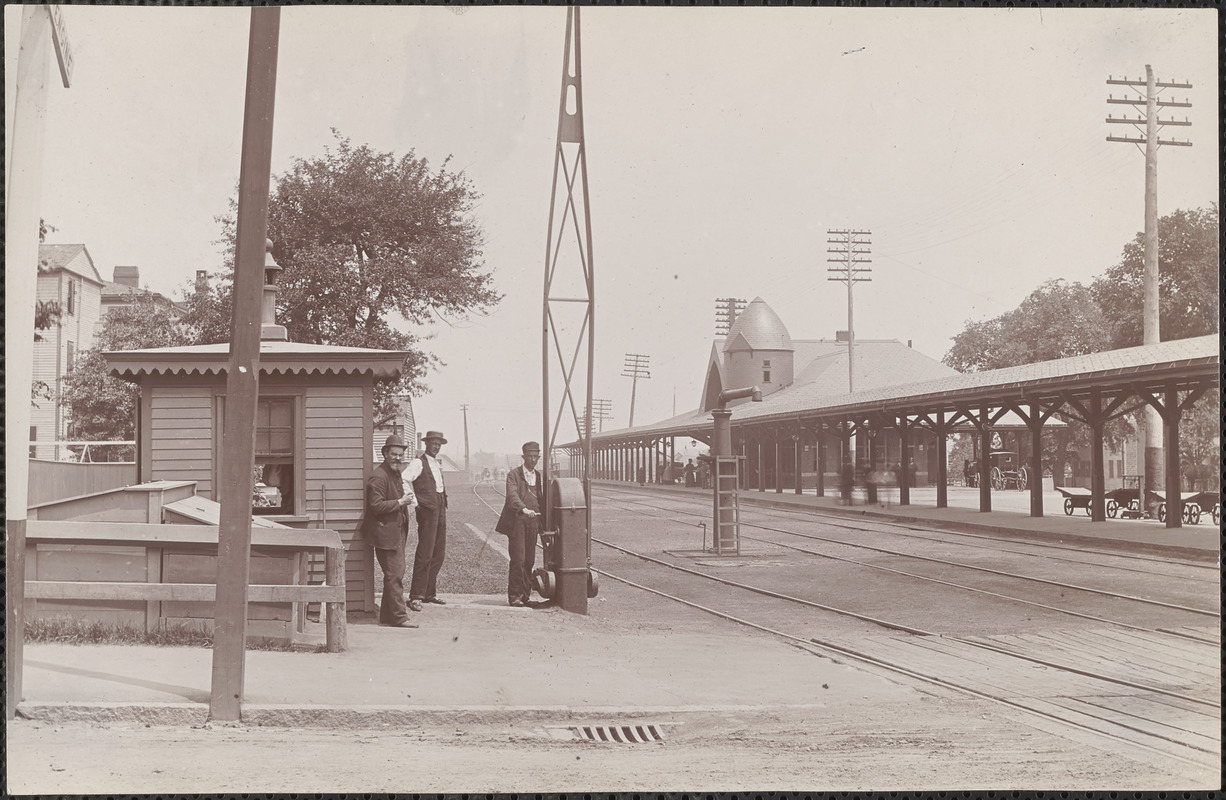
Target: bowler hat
[
  {"x": 531, "y": 447},
  {"x": 393, "y": 441},
  {"x": 434, "y": 435}
]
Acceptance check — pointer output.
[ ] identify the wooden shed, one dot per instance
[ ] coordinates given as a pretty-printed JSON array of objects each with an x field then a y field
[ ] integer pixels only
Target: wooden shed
[{"x": 314, "y": 425}]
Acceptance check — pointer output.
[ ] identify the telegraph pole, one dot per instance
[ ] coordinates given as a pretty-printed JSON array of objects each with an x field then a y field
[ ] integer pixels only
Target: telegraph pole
[
  {"x": 464, "y": 408},
  {"x": 636, "y": 366},
  {"x": 727, "y": 309},
  {"x": 848, "y": 248},
  {"x": 602, "y": 410},
  {"x": 1151, "y": 462}
]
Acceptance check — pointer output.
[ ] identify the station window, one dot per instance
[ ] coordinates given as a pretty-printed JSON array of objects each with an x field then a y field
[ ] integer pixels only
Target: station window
[
  {"x": 766, "y": 370},
  {"x": 72, "y": 356},
  {"x": 72, "y": 297},
  {"x": 275, "y": 459}
]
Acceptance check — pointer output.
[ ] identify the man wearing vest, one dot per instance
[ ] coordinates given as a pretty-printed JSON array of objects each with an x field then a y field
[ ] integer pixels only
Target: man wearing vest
[
  {"x": 385, "y": 524},
  {"x": 519, "y": 522},
  {"x": 425, "y": 476}
]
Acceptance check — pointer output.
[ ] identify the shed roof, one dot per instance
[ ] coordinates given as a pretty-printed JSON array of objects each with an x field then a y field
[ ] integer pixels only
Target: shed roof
[
  {"x": 1143, "y": 361},
  {"x": 276, "y": 358}
]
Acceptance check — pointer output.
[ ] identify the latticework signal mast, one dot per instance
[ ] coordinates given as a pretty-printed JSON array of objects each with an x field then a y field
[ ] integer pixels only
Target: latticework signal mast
[{"x": 569, "y": 283}]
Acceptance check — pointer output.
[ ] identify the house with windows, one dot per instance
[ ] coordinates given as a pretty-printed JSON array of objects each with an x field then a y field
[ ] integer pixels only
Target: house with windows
[{"x": 66, "y": 276}]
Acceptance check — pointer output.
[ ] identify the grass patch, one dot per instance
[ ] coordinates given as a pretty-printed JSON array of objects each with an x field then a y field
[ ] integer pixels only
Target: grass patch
[{"x": 76, "y": 631}]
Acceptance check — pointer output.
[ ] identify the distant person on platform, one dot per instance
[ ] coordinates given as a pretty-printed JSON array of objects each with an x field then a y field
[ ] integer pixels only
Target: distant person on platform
[
  {"x": 425, "y": 477},
  {"x": 385, "y": 524},
  {"x": 520, "y": 522},
  {"x": 690, "y": 473}
]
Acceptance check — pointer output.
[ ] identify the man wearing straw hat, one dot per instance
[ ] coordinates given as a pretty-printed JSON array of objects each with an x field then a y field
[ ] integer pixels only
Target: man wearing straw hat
[{"x": 425, "y": 477}]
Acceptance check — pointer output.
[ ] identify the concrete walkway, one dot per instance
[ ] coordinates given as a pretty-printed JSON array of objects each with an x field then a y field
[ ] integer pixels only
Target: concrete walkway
[
  {"x": 474, "y": 659},
  {"x": 1009, "y": 517}
]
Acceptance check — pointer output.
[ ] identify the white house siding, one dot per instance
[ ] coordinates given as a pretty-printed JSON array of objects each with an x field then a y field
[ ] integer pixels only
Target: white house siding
[
  {"x": 336, "y": 458},
  {"x": 51, "y": 354},
  {"x": 181, "y": 437}
]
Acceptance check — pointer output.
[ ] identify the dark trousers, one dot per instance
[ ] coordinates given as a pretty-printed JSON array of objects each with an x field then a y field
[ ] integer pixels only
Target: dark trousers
[
  {"x": 431, "y": 549},
  {"x": 392, "y": 609},
  {"x": 521, "y": 547}
]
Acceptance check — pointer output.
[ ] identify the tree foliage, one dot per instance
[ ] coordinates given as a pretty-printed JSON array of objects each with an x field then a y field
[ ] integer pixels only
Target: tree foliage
[
  {"x": 1061, "y": 319},
  {"x": 102, "y": 407},
  {"x": 370, "y": 244},
  {"x": 1187, "y": 281},
  {"x": 1057, "y": 320}
]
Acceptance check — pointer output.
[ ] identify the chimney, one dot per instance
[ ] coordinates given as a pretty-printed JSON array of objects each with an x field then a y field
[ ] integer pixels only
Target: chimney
[
  {"x": 201, "y": 275},
  {"x": 908, "y": 343},
  {"x": 842, "y": 336},
  {"x": 128, "y": 276},
  {"x": 270, "y": 331}
]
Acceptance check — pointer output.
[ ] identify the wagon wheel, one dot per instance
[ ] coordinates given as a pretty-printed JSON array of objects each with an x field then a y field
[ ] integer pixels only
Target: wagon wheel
[
  {"x": 1113, "y": 508},
  {"x": 1217, "y": 513},
  {"x": 998, "y": 479},
  {"x": 1191, "y": 514},
  {"x": 1090, "y": 509},
  {"x": 1068, "y": 506},
  {"x": 1023, "y": 479},
  {"x": 1162, "y": 512}
]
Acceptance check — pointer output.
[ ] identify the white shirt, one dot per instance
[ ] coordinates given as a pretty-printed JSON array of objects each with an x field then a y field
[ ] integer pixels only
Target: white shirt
[{"x": 414, "y": 472}]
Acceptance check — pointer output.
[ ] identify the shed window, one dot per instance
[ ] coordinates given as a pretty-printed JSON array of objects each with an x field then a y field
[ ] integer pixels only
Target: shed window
[
  {"x": 276, "y": 461},
  {"x": 72, "y": 297},
  {"x": 766, "y": 370}
]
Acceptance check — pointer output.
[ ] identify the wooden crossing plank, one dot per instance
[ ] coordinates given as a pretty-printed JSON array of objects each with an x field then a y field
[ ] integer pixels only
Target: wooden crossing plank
[
  {"x": 1140, "y": 657},
  {"x": 1182, "y": 732},
  {"x": 1117, "y": 658},
  {"x": 1178, "y": 749},
  {"x": 1202, "y": 658},
  {"x": 1200, "y": 720}
]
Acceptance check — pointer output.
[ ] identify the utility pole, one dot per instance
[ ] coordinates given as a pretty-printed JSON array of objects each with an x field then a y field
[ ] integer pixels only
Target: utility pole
[
  {"x": 849, "y": 247},
  {"x": 727, "y": 309},
  {"x": 42, "y": 30},
  {"x": 1150, "y": 461},
  {"x": 464, "y": 408},
  {"x": 602, "y": 410},
  {"x": 636, "y": 366}
]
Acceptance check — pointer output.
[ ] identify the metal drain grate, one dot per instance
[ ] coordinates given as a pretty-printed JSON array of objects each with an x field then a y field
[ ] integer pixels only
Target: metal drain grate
[{"x": 625, "y": 734}]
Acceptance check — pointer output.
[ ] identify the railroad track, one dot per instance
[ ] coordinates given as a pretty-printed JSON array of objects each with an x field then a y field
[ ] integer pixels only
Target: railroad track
[
  {"x": 1207, "y": 613},
  {"x": 1154, "y": 690}
]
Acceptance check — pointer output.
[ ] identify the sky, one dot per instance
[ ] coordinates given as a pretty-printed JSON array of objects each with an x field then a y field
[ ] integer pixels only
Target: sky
[{"x": 721, "y": 146}]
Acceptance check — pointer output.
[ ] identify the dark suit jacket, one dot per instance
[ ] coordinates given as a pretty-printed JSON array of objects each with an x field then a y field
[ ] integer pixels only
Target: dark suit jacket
[
  {"x": 519, "y": 497},
  {"x": 384, "y": 521}
]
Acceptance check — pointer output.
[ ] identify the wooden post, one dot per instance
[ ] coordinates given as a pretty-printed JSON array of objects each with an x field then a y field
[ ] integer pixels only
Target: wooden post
[
  {"x": 941, "y": 433},
  {"x": 1035, "y": 424},
  {"x": 1094, "y": 416},
  {"x": 904, "y": 471},
  {"x": 242, "y": 374},
  {"x": 336, "y": 632},
  {"x": 985, "y": 461},
  {"x": 1170, "y": 436}
]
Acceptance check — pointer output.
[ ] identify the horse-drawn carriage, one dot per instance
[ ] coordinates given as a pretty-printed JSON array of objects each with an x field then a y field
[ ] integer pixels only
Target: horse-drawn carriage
[{"x": 1006, "y": 474}]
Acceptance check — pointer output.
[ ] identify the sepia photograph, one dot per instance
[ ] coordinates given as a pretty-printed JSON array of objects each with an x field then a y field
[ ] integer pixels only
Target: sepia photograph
[{"x": 459, "y": 398}]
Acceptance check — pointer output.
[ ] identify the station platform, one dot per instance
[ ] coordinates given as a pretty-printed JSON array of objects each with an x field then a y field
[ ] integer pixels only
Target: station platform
[
  {"x": 474, "y": 660},
  {"x": 1009, "y": 517}
]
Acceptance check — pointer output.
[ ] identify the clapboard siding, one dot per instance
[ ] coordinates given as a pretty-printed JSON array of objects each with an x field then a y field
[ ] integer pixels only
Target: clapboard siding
[
  {"x": 181, "y": 437},
  {"x": 333, "y": 421}
]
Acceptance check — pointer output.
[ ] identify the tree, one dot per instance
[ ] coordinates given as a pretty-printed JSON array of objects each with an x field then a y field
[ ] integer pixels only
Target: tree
[
  {"x": 1187, "y": 281},
  {"x": 1057, "y": 320},
  {"x": 367, "y": 240},
  {"x": 101, "y": 407}
]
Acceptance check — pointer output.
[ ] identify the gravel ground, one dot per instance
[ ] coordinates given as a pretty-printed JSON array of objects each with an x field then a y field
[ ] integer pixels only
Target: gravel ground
[{"x": 471, "y": 566}]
